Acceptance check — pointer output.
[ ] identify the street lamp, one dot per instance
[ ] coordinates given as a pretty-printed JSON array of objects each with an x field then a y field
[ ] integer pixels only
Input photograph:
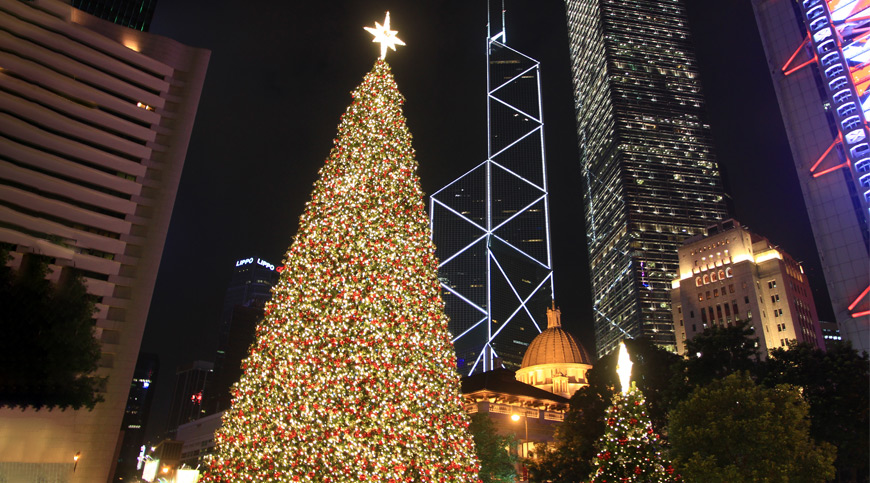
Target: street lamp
[{"x": 516, "y": 417}]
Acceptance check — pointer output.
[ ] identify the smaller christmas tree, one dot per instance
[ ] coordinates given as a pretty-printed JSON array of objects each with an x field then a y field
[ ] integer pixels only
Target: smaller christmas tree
[{"x": 629, "y": 449}]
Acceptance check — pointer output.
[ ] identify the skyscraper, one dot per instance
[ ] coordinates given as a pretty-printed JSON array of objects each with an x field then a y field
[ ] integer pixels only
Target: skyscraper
[
  {"x": 649, "y": 174},
  {"x": 136, "y": 416},
  {"x": 249, "y": 289},
  {"x": 491, "y": 225},
  {"x": 821, "y": 83},
  {"x": 190, "y": 381},
  {"x": 135, "y": 14},
  {"x": 250, "y": 286},
  {"x": 94, "y": 129}
]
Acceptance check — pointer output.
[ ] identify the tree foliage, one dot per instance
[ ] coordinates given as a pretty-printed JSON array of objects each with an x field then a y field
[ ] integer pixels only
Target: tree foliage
[
  {"x": 48, "y": 352},
  {"x": 351, "y": 377},
  {"x": 835, "y": 385},
  {"x": 733, "y": 430},
  {"x": 497, "y": 461},
  {"x": 718, "y": 352},
  {"x": 629, "y": 449},
  {"x": 570, "y": 457}
]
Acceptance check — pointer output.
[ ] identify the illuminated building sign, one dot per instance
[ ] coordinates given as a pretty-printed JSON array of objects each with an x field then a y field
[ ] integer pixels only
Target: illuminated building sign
[
  {"x": 839, "y": 39},
  {"x": 186, "y": 475},
  {"x": 141, "y": 458},
  {"x": 840, "y": 43},
  {"x": 150, "y": 471},
  {"x": 259, "y": 261}
]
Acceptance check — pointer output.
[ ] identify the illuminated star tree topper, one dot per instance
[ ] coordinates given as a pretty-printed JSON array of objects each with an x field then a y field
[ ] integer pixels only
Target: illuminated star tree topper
[{"x": 384, "y": 36}]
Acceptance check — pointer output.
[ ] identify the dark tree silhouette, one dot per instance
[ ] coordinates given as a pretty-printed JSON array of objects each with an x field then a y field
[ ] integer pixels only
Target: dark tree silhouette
[
  {"x": 48, "y": 352},
  {"x": 835, "y": 384}
]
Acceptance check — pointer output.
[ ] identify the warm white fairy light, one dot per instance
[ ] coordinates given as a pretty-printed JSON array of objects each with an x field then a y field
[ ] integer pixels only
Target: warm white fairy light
[
  {"x": 352, "y": 376},
  {"x": 383, "y": 35}
]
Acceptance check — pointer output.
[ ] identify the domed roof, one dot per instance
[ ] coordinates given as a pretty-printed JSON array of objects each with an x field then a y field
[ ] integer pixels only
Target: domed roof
[{"x": 555, "y": 346}]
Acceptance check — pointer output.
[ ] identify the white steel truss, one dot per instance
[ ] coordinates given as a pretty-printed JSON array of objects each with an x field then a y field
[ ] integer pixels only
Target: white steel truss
[{"x": 491, "y": 225}]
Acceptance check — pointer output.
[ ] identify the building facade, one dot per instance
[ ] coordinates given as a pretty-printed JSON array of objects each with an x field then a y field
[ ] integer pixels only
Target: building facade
[
  {"x": 821, "y": 83},
  {"x": 731, "y": 275},
  {"x": 197, "y": 439},
  {"x": 136, "y": 14},
  {"x": 830, "y": 332},
  {"x": 530, "y": 414},
  {"x": 491, "y": 225},
  {"x": 187, "y": 398},
  {"x": 94, "y": 128},
  {"x": 249, "y": 289},
  {"x": 250, "y": 286},
  {"x": 651, "y": 179},
  {"x": 555, "y": 362},
  {"x": 136, "y": 417}
]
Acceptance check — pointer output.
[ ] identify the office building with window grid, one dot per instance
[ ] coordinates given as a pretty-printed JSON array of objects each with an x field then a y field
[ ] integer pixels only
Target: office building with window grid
[
  {"x": 135, "y": 14},
  {"x": 649, "y": 173}
]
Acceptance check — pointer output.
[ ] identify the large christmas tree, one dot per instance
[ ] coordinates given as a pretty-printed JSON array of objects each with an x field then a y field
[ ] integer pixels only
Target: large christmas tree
[
  {"x": 629, "y": 449},
  {"x": 351, "y": 377}
]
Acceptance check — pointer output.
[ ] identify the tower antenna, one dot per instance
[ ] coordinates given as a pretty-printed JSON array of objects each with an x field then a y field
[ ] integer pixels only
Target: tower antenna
[{"x": 500, "y": 36}]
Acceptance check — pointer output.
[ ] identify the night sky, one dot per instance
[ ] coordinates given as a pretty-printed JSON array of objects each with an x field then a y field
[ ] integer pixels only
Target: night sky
[{"x": 280, "y": 77}]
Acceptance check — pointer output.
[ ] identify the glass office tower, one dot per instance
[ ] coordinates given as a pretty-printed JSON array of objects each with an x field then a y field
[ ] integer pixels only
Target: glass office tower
[
  {"x": 136, "y": 14},
  {"x": 491, "y": 225},
  {"x": 650, "y": 176}
]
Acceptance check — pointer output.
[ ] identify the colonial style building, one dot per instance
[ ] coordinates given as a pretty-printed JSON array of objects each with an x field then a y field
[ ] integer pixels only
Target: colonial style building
[
  {"x": 554, "y": 361},
  {"x": 731, "y": 275},
  {"x": 532, "y": 402}
]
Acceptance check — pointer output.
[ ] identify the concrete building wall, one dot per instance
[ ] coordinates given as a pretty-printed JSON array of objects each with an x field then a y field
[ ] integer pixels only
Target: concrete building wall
[
  {"x": 94, "y": 126},
  {"x": 733, "y": 275}
]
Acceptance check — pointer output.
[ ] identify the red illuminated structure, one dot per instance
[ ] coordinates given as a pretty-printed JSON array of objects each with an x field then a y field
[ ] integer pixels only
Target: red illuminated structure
[
  {"x": 838, "y": 41},
  {"x": 829, "y": 135}
]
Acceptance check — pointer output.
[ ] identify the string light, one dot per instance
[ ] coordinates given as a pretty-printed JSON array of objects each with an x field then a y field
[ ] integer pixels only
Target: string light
[
  {"x": 629, "y": 449},
  {"x": 351, "y": 377}
]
